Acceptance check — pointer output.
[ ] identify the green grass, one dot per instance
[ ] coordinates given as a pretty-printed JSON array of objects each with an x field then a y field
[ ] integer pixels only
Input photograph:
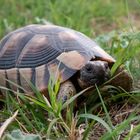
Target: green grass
[{"x": 98, "y": 19}]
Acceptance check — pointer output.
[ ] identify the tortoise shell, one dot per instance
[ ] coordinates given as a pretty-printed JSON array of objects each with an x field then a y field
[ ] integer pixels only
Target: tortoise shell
[{"x": 36, "y": 52}]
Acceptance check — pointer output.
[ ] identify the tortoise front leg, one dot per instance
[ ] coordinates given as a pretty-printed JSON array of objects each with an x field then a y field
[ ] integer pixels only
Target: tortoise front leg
[{"x": 66, "y": 91}]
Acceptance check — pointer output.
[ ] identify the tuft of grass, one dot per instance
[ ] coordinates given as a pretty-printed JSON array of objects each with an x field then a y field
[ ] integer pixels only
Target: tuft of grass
[{"x": 124, "y": 46}]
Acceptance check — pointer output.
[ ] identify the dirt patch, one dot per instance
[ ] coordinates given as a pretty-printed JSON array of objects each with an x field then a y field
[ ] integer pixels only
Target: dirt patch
[{"x": 118, "y": 113}]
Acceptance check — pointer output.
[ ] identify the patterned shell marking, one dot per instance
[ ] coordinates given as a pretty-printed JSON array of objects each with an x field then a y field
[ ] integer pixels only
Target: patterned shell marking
[{"x": 35, "y": 52}]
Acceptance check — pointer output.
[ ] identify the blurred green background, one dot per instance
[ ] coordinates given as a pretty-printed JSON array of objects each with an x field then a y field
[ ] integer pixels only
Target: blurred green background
[{"x": 91, "y": 17}]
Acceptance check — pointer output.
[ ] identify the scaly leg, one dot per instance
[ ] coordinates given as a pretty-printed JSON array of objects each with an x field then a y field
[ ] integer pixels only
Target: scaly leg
[{"x": 66, "y": 91}]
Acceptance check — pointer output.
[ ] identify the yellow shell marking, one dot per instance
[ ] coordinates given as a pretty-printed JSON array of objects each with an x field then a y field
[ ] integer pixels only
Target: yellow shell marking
[{"x": 72, "y": 59}]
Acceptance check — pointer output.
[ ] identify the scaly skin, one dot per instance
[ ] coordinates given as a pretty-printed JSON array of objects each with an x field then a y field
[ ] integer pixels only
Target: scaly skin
[{"x": 66, "y": 91}]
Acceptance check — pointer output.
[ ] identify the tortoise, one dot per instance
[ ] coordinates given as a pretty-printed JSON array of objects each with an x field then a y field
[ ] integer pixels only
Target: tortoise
[{"x": 36, "y": 52}]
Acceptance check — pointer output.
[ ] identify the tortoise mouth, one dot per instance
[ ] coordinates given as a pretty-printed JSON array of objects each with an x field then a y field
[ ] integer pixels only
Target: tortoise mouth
[{"x": 83, "y": 82}]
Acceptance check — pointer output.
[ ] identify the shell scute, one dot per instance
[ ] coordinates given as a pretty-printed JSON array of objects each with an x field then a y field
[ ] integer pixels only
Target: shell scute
[{"x": 12, "y": 49}]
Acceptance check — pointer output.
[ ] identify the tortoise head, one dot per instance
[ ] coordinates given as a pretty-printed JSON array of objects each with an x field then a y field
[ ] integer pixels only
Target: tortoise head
[{"x": 94, "y": 72}]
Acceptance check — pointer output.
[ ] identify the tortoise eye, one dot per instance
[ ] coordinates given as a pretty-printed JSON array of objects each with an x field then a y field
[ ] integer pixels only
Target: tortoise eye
[{"x": 88, "y": 68}]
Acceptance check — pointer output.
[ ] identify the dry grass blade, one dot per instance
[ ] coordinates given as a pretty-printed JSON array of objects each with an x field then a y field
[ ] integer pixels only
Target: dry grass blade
[
  {"x": 73, "y": 131},
  {"x": 6, "y": 123}
]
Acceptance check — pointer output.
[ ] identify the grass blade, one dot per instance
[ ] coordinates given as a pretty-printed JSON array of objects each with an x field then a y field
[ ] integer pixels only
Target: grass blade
[
  {"x": 96, "y": 118},
  {"x": 39, "y": 103},
  {"x": 74, "y": 97},
  {"x": 50, "y": 127},
  {"x": 6, "y": 123},
  {"x": 119, "y": 129},
  {"x": 105, "y": 109}
]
